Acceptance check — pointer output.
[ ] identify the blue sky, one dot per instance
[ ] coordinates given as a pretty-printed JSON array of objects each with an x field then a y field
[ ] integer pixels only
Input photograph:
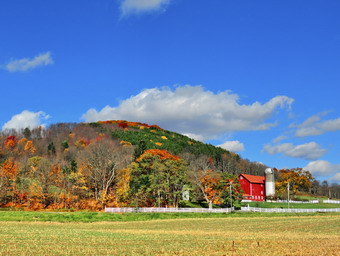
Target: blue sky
[{"x": 257, "y": 77}]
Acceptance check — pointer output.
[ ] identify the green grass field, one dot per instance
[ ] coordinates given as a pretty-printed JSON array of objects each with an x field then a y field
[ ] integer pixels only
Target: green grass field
[
  {"x": 25, "y": 216},
  {"x": 291, "y": 205},
  {"x": 309, "y": 197},
  {"x": 220, "y": 234}
]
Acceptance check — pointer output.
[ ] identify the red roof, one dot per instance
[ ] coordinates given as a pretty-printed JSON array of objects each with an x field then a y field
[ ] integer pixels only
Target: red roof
[{"x": 254, "y": 179}]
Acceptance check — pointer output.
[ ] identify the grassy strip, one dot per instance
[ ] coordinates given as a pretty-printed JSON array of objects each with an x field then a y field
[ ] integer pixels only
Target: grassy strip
[
  {"x": 126, "y": 217},
  {"x": 308, "y": 197},
  {"x": 291, "y": 205}
]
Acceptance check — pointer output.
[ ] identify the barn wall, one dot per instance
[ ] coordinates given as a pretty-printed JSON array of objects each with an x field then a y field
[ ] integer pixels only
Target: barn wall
[
  {"x": 245, "y": 185},
  {"x": 256, "y": 190}
]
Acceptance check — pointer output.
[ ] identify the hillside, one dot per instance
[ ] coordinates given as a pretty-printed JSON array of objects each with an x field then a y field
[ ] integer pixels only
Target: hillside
[
  {"x": 89, "y": 165},
  {"x": 143, "y": 136}
]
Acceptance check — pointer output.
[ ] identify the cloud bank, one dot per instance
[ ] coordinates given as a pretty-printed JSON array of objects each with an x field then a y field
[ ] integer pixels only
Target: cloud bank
[
  {"x": 26, "y": 119},
  {"x": 193, "y": 110},
  {"x": 314, "y": 126},
  {"x": 234, "y": 146},
  {"x": 323, "y": 168},
  {"x": 25, "y": 64},
  {"x": 142, "y": 6},
  {"x": 309, "y": 151}
]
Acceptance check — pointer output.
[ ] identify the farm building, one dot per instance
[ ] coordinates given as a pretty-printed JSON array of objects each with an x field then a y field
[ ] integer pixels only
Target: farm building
[{"x": 253, "y": 187}]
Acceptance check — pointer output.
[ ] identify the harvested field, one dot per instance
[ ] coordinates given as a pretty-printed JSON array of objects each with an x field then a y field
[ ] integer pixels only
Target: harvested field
[{"x": 293, "y": 235}]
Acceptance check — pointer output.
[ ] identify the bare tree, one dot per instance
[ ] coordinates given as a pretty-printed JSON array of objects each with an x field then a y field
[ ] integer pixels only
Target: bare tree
[
  {"x": 200, "y": 168},
  {"x": 100, "y": 162}
]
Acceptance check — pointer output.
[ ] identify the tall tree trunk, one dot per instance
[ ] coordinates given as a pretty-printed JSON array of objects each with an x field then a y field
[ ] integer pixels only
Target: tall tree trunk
[{"x": 210, "y": 204}]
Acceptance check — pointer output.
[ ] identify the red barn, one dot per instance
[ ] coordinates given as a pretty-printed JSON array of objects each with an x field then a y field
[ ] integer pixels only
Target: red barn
[{"x": 253, "y": 187}]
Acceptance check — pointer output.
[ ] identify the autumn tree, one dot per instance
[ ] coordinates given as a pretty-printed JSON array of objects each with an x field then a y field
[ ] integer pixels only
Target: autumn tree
[
  {"x": 73, "y": 184},
  {"x": 29, "y": 147},
  {"x": 209, "y": 183},
  {"x": 42, "y": 178},
  {"x": 122, "y": 186},
  {"x": 10, "y": 142},
  {"x": 8, "y": 174},
  {"x": 298, "y": 179},
  {"x": 215, "y": 186}
]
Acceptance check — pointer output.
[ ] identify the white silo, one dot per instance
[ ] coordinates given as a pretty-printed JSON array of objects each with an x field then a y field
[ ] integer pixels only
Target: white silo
[{"x": 270, "y": 183}]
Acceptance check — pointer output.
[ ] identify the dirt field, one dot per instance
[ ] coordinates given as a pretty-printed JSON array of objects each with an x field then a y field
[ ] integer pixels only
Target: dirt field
[{"x": 296, "y": 235}]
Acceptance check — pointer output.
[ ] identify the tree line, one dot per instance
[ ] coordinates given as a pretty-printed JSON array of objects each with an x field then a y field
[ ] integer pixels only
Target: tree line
[{"x": 117, "y": 163}]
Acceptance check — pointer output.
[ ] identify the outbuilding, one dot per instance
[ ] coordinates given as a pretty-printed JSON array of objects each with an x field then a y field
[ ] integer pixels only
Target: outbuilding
[{"x": 253, "y": 187}]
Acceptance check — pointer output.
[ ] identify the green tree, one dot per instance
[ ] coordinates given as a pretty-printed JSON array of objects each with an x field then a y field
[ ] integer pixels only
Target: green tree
[
  {"x": 140, "y": 148},
  {"x": 157, "y": 179},
  {"x": 27, "y": 133},
  {"x": 51, "y": 149},
  {"x": 64, "y": 144},
  {"x": 231, "y": 189}
]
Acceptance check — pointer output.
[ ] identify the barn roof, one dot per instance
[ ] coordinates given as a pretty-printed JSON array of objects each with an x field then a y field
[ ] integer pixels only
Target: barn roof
[{"x": 254, "y": 179}]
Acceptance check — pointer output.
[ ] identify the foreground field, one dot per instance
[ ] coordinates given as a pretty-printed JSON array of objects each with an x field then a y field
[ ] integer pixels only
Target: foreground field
[{"x": 285, "y": 235}]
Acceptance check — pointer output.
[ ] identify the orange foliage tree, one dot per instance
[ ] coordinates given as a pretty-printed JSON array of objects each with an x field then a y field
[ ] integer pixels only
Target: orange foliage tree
[
  {"x": 209, "y": 183},
  {"x": 29, "y": 147},
  {"x": 8, "y": 174},
  {"x": 161, "y": 153},
  {"x": 9, "y": 169},
  {"x": 10, "y": 142}
]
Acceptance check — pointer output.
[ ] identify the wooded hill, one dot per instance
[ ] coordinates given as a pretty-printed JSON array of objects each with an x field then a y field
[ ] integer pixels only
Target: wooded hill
[{"x": 116, "y": 163}]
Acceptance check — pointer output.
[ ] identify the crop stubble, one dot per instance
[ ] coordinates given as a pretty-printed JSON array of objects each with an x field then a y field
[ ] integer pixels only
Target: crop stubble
[{"x": 297, "y": 235}]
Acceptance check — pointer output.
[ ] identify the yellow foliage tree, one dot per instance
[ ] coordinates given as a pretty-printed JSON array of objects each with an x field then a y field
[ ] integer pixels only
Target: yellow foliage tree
[
  {"x": 123, "y": 185},
  {"x": 30, "y": 148},
  {"x": 298, "y": 179}
]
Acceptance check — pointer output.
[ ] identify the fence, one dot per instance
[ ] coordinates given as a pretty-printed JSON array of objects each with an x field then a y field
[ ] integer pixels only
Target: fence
[
  {"x": 286, "y": 201},
  {"x": 201, "y": 210},
  {"x": 331, "y": 201},
  {"x": 219, "y": 210},
  {"x": 255, "y": 209},
  {"x": 298, "y": 202}
]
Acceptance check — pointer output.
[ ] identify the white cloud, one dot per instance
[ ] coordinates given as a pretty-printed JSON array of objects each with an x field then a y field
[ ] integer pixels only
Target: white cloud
[
  {"x": 28, "y": 64},
  {"x": 323, "y": 168},
  {"x": 26, "y": 119},
  {"x": 234, "y": 146},
  {"x": 193, "y": 110},
  {"x": 336, "y": 178},
  {"x": 309, "y": 151},
  {"x": 279, "y": 138},
  {"x": 194, "y": 136},
  {"x": 314, "y": 126},
  {"x": 139, "y": 6}
]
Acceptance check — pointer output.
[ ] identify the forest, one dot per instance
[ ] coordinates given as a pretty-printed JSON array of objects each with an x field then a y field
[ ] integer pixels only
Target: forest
[{"x": 118, "y": 163}]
